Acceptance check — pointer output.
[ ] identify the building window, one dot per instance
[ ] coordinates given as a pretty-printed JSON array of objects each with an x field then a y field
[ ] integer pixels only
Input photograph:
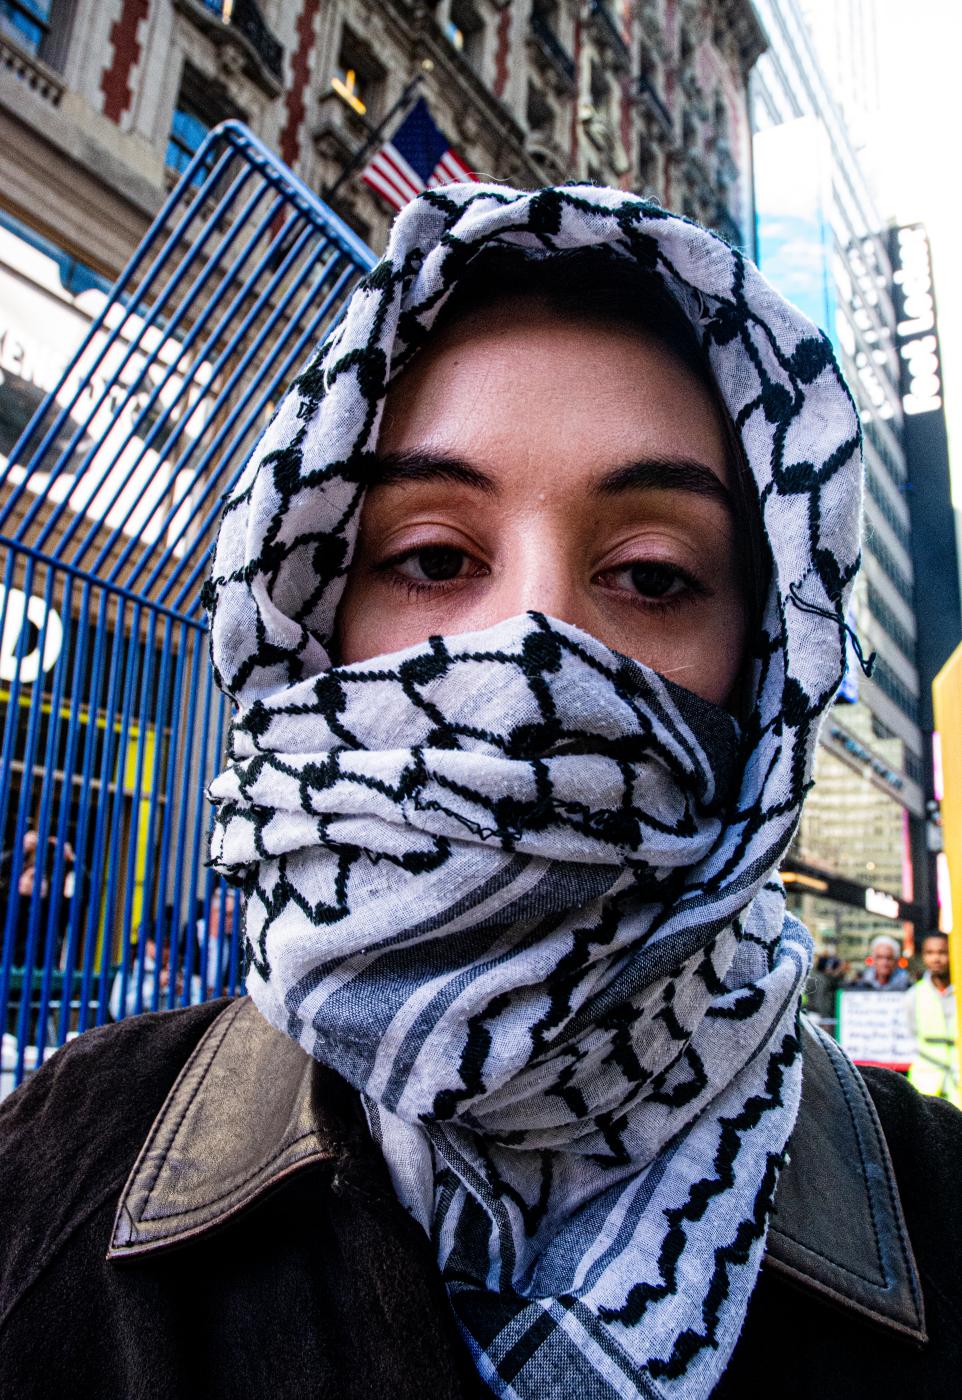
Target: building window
[
  {"x": 887, "y": 510},
  {"x": 200, "y": 107},
  {"x": 880, "y": 552},
  {"x": 359, "y": 80},
  {"x": 27, "y": 22},
  {"x": 545, "y": 28},
  {"x": 689, "y": 133},
  {"x": 187, "y": 131},
  {"x": 647, "y": 167},
  {"x": 600, "y": 89},
  {"x": 546, "y": 11},
  {"x": 887, "y": 619},
  {"x": 464, "y": 28},
  {"x": 540, "y": 113},
  {"x": 721, "y": 117},
  {"x": 890, "y": 684},
  {"x": 914, "y": 767},
  {"x": 240, "y": 25},
  {"x": 352, "y": 218}
]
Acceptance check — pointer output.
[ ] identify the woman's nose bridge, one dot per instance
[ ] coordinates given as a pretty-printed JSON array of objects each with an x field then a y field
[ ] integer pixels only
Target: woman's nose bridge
[{"x": 542, "y": 574}]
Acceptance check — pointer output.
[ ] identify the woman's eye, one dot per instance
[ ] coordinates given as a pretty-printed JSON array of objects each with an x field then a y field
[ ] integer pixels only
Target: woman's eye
[
  {"x": 651, "y": 580},
  {"x": 434, "y": 563}
]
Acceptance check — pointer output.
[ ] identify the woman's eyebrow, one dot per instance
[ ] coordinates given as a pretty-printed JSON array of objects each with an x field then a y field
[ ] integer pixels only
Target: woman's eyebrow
[
  {"x": 649, "y": 474},
  {"x": 418, "y": 465},
  {"x": 665, "y": 474}
]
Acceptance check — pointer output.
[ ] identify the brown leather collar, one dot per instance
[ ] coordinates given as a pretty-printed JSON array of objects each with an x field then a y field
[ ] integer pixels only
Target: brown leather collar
[
  {"x": 838, "y": 1227},
  {"x": 239, "y": 1119},
  {"x": 244, "y": 1114}
]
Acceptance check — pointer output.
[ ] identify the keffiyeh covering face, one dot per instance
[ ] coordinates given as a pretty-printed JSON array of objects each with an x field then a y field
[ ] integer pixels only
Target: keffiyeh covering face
[{"x": 517, "y": 889}]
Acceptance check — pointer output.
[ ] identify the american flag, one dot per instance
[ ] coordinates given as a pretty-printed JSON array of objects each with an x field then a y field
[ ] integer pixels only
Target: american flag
[{"x": 417, "y": 157}]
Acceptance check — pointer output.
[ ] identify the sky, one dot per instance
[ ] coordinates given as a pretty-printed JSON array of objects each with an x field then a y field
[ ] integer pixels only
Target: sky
[{"x": 916, "y": 161}]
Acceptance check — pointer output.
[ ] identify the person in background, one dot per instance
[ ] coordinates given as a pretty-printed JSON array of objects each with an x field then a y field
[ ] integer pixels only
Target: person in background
[
  {"x": 127, "y": 1002},
  {"x": 27, "y": 882},
  {"x": 883, "y": 973},
  {"x": 931, "y": 1017},
  {"x": 132, "y": 1000},
  {"x": 212, "y": 971}
]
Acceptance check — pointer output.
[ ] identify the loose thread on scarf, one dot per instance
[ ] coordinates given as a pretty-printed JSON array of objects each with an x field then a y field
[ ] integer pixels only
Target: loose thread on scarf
[{"x": 867, "y": 663}]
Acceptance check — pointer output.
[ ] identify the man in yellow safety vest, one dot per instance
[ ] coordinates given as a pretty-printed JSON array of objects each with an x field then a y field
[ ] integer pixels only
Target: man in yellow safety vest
[{"x": 932, "y": 1021}]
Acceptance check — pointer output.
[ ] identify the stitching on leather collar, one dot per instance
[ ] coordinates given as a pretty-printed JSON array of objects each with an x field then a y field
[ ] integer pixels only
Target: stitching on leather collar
[
  {"x": 827, "y": 1259},
  {"x": 845, "y": 1088},
  {"x": 237, "y": 1185},
  {"x": 203, "y": 1050}
]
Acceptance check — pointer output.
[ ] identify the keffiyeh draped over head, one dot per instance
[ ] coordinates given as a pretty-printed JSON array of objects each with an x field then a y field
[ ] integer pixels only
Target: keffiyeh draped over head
[{"x": 517, "y": 889}]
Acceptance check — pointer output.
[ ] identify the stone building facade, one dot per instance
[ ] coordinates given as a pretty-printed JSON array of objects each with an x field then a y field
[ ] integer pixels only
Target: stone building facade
[{"x": 101, "y": 100}]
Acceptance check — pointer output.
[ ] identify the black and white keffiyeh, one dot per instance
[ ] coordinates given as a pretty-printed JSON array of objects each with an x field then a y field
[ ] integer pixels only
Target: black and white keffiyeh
[{"x": 517, "y": 889}]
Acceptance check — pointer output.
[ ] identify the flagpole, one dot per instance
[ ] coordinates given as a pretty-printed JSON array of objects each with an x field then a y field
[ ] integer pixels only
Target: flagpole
[{"x": 377, "y": 132}]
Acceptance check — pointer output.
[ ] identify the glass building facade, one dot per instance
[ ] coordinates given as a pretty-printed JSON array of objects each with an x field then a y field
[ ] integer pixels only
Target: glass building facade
[{"x": 857, "y": 867}]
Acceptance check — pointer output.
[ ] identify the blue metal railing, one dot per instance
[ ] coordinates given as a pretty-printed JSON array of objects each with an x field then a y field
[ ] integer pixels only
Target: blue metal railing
[{"x": 110, "y": 727}]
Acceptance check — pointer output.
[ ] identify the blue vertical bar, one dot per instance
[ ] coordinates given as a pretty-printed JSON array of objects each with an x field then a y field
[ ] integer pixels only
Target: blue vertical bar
[
  {"x": 116, "y": 819},
  {"x": 43, "y": 826},
  {"x": 89, "y": 912},
  {"x": 66, "y": 803},
  {"x": 184, "y": 636},
  {"x": 189, "y": 777},
  {"x": 198, "y": 827},
  {"x": 46, "y": 812}
]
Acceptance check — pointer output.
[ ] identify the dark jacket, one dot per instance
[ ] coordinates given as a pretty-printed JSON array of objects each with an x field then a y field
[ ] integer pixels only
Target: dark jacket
[{"x": 189, "y": 1206}]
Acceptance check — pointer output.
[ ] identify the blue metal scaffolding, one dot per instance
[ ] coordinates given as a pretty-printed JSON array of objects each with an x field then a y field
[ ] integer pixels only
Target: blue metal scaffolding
[{"x": 110, "y": 727}]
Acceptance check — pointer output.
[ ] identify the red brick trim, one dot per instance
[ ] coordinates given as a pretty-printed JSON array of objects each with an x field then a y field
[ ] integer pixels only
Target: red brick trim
[
  {"x": 125, "y": 42},
  {"x": 627, "y": 132},
  {"x": 503, "y": 51},
  {"x": 294, "y": 103},
  {"x": 627, "y": 124},
  {"x": 576, "y": 104}
]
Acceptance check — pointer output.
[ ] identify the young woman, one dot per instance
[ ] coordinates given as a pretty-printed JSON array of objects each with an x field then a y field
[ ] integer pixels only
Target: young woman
[{"x": 531, "y": 599}]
